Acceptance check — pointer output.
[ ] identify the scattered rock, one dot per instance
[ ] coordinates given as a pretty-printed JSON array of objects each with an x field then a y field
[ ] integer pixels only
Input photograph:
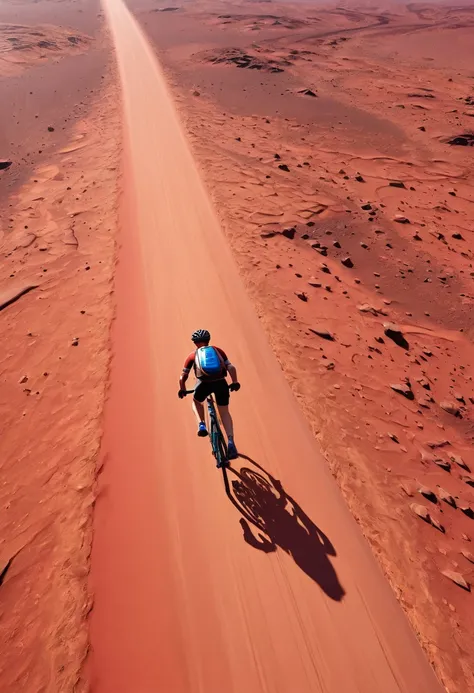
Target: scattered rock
[
  {"x": 469, "y": 480},
  {"x": 302, "y": 296},
  {"x": 421, "y": 511},
  {"x": 268, "y": 234},
  {"x": 324, "y": 334},
  {"x": 400, "y": 219},
  {"x": 314, "y": 283},
  {"x": 366, "y": 207},
  {"x": 457, "y": 578},
  {"x": 437, "y": 444},
  {"x": 468, "y": 555},
  {"x": 403, "y": 389},
  {"x": 444, "y": 464},
  {"x": 457, "y": 459},
  {"x": 422, "y": 128},
  {"x": 284, "y": 167},
  {"x": 424, "y": 383},
  {"x": 437, "y": 524},
  {"x": 428, "y": 494},
  {"x": 451, "y": 408},
  {"x": 347, "y": 262},
  {"x": 359, "y": 178},
  {"x": 23, "y": 380},
  {"x": 75, "y": 342},
  {"x": 307, "y": 92},
  {"x": 397, "y": 184},
  {"x": 289, "y": 233},
  {"x": 395, "y": 334},
  {"x": 466, "y": 509},
  {"x": 458, "y": 236},
  {"x": 4, "y": 164},
  {"x": 367, "y": 308},
  {"x": 446, "y": 497},
  {"x": 336, "y": 244},
  {"x": 50, "y": 128},
  {"x": 325, "y": 269}
]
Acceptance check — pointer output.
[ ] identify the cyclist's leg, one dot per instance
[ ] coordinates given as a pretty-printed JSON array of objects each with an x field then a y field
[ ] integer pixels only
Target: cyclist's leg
[
  {"x": 201, "y": 391},
  {"x": 198, "y": 409},
  {"x": 226, "y": 419},
  {"x": 221, "y": 392}
]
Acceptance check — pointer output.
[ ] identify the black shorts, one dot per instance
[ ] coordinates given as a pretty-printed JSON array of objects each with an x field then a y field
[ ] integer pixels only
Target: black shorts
[{"x": 220, "y": 388}]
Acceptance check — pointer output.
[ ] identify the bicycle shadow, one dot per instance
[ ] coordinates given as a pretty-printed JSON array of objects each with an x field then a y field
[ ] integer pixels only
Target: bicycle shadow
[{"x": 281, "y": 522}]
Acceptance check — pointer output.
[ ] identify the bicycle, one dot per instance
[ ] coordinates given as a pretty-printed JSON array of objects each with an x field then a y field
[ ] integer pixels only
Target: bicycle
[{"x": 218, "y": 442}]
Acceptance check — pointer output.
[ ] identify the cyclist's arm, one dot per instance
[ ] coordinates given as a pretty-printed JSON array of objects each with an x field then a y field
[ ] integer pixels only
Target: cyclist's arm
[
  {"x": 232, "y": 371},
  {"x": 182, "y": 380},
  {"x": 188, "y": 364}
]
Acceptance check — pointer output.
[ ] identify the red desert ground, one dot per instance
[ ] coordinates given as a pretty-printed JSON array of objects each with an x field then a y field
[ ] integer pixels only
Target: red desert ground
[{"x": 297, "y": 178}]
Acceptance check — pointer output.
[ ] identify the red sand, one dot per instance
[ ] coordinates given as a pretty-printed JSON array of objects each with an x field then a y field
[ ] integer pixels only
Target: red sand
[
  {"x": 182, "y": 603},
  {"x": 259, "y": 579}
]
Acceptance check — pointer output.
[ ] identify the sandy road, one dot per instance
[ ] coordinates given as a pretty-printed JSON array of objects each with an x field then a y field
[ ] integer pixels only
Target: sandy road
[{"x": 189, "y": 595}]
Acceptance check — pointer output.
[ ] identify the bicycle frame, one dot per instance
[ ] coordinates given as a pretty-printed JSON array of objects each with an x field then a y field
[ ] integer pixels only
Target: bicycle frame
[{"x": 218, "y": 442}]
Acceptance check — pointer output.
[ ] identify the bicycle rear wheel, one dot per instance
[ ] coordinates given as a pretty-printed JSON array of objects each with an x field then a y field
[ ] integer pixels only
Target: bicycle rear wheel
[{"x": 218, "y": 444}]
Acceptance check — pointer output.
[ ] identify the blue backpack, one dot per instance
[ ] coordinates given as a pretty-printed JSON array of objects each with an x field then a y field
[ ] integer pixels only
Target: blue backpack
[{"x": 209, "y": 364}]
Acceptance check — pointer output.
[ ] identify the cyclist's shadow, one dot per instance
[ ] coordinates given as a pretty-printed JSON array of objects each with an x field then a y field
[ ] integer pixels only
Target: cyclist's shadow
[{"x": 278, "y": 521}]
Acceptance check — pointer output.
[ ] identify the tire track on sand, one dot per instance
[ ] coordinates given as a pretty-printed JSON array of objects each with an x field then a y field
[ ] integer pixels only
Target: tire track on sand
[{"x": 276, "y": 591}]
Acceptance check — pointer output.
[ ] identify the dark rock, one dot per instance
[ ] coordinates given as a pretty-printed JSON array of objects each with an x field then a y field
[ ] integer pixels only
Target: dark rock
[
  {"x": 466, "y": 140},
  {"x": 422, "y": 128},
  {"x": 366, "y": 207},
  {"x": 325, "y": 269},
  {"x": 4, "y": 164},
  {"x": 302, "y": 296},
  {"x": 284, "y": 167},
  {"x": 400, "y": 219},
  {"x": 269, "y": 234},
  {"x": 324, "y": 334},
  {"x": 50, "y": 128},
  {"x": 289, "y": 233},
  {"x": 359, "y": 178},
  {"x": 336, "y": 244},
  {"x": 458, "y": 236},
  {"x": 403, "y": 389},
  {"x": 444, "y": 464},
  {"x": 396, "y": 335},
  {"x": 307, "y": 92},
  {"x": 347, "y": 262},
  {"x": 397, "y": 184},
  {"x": 277, "y": 156}
]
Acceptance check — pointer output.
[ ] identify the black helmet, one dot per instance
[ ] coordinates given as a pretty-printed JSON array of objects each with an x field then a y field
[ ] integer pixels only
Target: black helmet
[{"x": 201, "y": 336}]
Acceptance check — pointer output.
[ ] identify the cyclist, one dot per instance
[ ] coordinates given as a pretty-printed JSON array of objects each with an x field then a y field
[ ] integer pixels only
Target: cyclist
[{"x": 211, "y": 367}]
